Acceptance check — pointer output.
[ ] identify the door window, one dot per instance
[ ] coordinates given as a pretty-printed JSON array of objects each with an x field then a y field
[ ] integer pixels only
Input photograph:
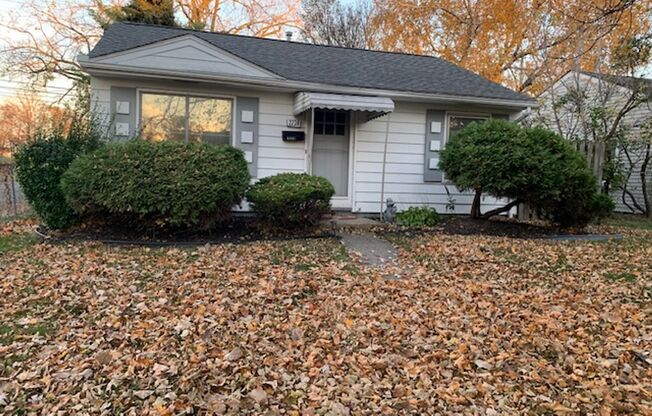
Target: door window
[{"x": 330, "y": 122}]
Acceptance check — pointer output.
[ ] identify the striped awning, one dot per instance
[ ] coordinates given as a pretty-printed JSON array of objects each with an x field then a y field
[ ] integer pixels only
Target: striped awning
[{"x": 373, "y": 106}]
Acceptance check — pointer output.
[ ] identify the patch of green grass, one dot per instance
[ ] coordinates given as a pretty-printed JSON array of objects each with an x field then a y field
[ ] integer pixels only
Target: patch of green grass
[
  {"x": 620, "y": 277},
  {"x": 7, "y": 362},
  {"x": 629, "y": 221},
  {"x": 16, "y": 242},
  {"x": 9, "y": 332}
]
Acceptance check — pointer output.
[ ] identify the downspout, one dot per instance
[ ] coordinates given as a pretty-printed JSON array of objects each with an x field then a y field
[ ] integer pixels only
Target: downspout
[
  {"x": 311, "y": 134},
  {"x": 523, "y": 115},
  {"x": 382, "y": 176}
]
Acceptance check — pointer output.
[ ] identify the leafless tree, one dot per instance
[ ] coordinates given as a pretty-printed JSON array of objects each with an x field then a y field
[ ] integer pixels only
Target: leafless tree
[{"x": 330, "y": 22}]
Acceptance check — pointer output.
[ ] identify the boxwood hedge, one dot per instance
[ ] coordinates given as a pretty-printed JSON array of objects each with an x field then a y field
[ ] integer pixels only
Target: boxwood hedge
[
  {"x": 291, "y": 200},
  {"x": 41, "y": 162},
  {"x": 166, "y": 183}
]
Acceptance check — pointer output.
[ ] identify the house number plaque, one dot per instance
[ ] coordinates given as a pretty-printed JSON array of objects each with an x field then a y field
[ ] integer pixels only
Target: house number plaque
[{"x": 294, "y": 123}]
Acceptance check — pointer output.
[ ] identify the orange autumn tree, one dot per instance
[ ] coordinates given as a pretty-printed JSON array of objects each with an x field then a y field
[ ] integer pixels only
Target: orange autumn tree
[
  {"x": 519, "y": 43},
  {"x": 22, "y": 115},
  {"x": 264, "y": 18}
]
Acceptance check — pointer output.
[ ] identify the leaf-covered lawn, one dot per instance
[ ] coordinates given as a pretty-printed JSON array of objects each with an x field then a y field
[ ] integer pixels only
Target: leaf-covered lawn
[{"x": 479, "y": 326}]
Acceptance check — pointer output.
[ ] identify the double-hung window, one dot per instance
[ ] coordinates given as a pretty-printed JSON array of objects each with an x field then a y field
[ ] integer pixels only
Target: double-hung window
[{"x": 186, "y": 118}]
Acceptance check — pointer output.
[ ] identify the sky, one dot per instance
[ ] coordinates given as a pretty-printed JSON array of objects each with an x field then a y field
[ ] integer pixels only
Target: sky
[{"x": 8, "y": 86}]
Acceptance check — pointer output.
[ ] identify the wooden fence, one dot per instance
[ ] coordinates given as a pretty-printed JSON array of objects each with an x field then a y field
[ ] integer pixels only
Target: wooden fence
[
  {"x": 593, "y": 152},
  {"x": 12, "y": 200}
]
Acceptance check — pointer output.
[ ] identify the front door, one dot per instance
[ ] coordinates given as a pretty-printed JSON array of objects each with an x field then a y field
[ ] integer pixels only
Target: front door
[{"x": 330, "y": 149}]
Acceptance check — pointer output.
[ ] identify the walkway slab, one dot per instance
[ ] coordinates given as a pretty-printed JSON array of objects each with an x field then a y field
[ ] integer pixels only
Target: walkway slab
[
  {"x": 350, "y": 221},
  {"x": 373, "y": 251}
]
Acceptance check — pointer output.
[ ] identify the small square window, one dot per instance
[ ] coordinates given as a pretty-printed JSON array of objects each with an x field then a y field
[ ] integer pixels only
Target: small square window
[
  {"x": 330, "y": 117},
  {"x": 340, "y": 117},
  {"x": 319, "y": 128},
  {"x": 340, "y": 130},
  {"x": 329, "y": 129}
]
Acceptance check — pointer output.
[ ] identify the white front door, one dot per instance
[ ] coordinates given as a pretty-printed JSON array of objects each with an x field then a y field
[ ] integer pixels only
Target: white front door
[{"x": 330, "y": 149}]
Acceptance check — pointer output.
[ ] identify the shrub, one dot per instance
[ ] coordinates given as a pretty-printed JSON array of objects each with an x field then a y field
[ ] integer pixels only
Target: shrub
[
  {"x": 419, "y": 217},
  {"x": 533, "y": 166},
  {"x": 41, "y": 162},
  {"x": 489, "y": 158},
  {"x": 602, "y": 206},
  {"x": 291, "y": 200},
  {"x": 166, "y": 183},
  {"x": 564, "y": 184}
]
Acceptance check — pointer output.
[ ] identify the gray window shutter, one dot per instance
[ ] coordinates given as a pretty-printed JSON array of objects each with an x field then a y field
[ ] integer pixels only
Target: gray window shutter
[
  {"x": 246, "y": 120},
  {"x": 123, "y": 113},
  {"x": 435, "y": 128}
]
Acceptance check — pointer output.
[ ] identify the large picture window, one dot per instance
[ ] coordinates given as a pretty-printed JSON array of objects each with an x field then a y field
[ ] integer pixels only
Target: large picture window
[{"x": 186, "y": 118}]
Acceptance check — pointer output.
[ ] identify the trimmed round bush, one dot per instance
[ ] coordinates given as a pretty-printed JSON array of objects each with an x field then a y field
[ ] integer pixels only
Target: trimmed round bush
[
  {"x": 291, "y": 200},
  {"x": 41, "y": 162},
  {"x": 533, "y": 166},
  {"x": 164, "y": 184},
  {"x": 564, "y": 186},
  {"x": 418, "y": 217},
  {"x": 488, "y": 157}
]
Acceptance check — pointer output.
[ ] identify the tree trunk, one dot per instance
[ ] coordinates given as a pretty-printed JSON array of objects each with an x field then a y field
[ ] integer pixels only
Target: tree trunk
[
  {"x": 475, "y": 208},
  {"x": 497, "y": 211},
  {"x": 644, "y": 185}
]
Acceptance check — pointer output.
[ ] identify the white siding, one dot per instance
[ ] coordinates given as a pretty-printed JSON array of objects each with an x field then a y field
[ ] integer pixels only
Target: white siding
[
  {"x": 635, "y": 118},
  {"x": 274, "y": 155},
  {"x": 571, "y": 126},
  {"x": 404, "y": 178}
]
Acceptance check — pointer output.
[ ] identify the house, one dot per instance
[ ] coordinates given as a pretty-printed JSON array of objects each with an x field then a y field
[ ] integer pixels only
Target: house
[
  {"x": 569, "y": 107},
  {"x": 371, "y": 122}
]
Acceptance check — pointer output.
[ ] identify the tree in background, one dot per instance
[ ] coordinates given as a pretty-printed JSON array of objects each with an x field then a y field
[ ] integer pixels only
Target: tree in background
[
  {"x": 42, "y": 40},
  {"x": 264, "y": 18},
  {"x": 525, "y": 45},
  {"x": 154, "y": 12},
  {"x": 329, "y": 22},
  {"x": 21, "y": 116},
  {"x": 610, "y": 111}
]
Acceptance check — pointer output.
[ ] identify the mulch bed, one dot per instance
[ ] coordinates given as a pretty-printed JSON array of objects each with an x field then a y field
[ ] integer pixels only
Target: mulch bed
[
  {"x": 237, "y": 230},
  {"x": 499, "y": 227},
  {"x": 496, "y": 227}
]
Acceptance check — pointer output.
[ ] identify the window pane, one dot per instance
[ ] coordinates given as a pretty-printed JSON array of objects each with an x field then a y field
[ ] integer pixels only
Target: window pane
[
  {"x": 330, "y": 129},
  {"x": 210, "y": 120},
  {"x": 340, "y": 130},
  {"x": 340, "y": 117},
  {"x": 163, "y": 117},
  {"x": 458, "y": 123},
  {"x": 319, "y": 128}
]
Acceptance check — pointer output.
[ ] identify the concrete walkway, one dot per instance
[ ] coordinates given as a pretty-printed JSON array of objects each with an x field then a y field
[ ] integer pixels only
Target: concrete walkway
[{"x": 373, "y": 251}]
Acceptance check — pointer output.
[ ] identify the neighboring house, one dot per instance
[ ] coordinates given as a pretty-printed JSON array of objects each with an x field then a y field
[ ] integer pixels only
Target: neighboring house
[
  {"x": 570, "y": 107},
  {"x": 371, "y": 122}
]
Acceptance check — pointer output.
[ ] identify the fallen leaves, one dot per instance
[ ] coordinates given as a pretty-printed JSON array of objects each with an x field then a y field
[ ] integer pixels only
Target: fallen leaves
[{"x": 475, "y": 325}]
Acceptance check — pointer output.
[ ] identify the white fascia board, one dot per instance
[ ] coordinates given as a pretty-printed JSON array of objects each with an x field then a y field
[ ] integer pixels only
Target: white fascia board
[
  {"x": 99, "y": 69},
  {"x": 198, "y": 51}
]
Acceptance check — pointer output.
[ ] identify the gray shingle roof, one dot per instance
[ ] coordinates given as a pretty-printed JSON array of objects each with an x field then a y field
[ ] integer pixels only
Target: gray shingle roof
[{"x": 324, "y": 64}]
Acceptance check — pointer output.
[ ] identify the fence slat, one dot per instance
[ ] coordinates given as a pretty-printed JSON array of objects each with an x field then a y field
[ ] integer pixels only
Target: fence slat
[{"x": 12, "y": 200}]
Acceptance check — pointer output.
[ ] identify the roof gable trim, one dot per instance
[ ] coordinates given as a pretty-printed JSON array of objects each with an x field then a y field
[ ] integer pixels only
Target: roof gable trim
[{"x": 187, "y": 53}]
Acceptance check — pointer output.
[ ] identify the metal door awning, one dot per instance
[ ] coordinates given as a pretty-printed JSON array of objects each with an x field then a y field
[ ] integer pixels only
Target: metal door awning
[{"x": 373, "y": 106}]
